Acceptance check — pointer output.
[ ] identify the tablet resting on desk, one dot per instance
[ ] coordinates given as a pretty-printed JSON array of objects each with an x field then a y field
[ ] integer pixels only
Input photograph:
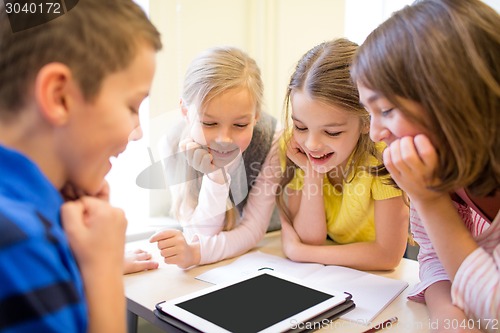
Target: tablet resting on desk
[{"x": 264, "y": 302}]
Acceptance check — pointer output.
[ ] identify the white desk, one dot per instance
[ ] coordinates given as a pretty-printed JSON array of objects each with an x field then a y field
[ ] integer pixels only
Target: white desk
[{"x": 145, "y": 289}]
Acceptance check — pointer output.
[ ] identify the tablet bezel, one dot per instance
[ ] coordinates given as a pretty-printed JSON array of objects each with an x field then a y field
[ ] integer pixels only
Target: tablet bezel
[{"x": 170, "y": 307}]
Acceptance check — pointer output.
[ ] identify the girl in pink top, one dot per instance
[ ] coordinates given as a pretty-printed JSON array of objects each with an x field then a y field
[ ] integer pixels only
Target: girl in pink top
[{"x": 430, "y": 78}]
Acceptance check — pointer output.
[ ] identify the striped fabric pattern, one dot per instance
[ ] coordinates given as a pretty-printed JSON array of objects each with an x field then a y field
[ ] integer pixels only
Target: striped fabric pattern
[
  {"x": 40, "y": 285},
  {"x": 476, "y": 288}
]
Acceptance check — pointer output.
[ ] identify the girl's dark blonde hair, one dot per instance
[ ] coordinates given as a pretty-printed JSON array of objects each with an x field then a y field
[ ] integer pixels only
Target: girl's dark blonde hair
[
  {"x": 444, "y": 55},
  {"x": 94, "y": 39},
  {"x": 323, "y": 74},
  {"x": 210, "y": 74}
]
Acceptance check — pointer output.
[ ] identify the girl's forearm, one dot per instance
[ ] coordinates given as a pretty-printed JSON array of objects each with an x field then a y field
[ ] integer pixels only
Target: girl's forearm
[
  {"x": 445, "y": 229},
  {"x": 363, "y": 255},
  {"x": 310, "y": 220},
  {"x": 441, "y": 309}
]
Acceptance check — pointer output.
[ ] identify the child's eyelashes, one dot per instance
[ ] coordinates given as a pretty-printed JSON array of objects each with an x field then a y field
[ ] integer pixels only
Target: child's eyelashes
[
  {"x": 333, "y": 133},
  {"x": 386, "y": 112},
  {"x": 298, "y": 128},
  {"x": 382, "y": 111},
  {"x": 303, "y": 129},
  {"x": 210, "y": 124}
]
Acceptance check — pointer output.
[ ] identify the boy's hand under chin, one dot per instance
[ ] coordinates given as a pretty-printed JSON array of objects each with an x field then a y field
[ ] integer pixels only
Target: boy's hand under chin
[
  {"x": 133, "y": 260},
  {"x": 95, "y": 230},
  {"x": 70, "y": 192}
]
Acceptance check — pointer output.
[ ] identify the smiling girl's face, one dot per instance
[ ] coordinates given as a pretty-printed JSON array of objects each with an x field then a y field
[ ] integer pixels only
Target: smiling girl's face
[
  {"x": 225, "y": 125},
  {"x": 327, "y": 134}
]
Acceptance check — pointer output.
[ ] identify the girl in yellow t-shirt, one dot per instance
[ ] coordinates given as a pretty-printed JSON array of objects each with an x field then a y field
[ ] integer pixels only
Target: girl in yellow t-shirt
[{"x": 334, "y": 184}]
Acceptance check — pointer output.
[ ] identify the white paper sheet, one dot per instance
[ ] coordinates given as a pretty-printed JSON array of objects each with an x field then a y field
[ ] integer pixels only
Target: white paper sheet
[{"x": 371, "y": 293}]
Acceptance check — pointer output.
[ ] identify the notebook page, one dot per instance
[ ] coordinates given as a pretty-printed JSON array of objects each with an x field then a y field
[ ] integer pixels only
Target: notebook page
[
  {"x": 370, "y": 292},
  {"x": 256, "y": 261}
]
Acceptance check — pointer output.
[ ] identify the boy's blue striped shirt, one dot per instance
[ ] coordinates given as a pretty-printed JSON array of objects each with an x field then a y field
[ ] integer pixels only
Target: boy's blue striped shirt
[{"x": 41, "y": 289}]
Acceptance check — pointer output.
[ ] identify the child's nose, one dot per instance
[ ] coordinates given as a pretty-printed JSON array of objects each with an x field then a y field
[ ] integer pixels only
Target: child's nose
[
  {"x": 313, "y": 143},
  {"x": 224, "y": 135},
  {"x": 378, "y": 132}
]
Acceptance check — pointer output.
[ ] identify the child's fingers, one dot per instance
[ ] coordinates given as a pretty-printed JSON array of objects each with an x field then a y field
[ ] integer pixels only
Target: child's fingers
[
  {"x": 103, "y": 192},
  {"x": 169, "y": 252},
  {"x": 137, "y": 251},
  {"x": 138, "y": 260},
  {"x": 394, "y": 150},
  {"x": 93, "y": 228},
  {"x": 206, "y": 163},
  {"x": 71, "y": 192},
  {"x": 190, "y": 147},
  {"x": 163, "y": 235},
  {"x": 183, "y": 143},
  {"x": 72, "y": 217},
  {"x": 100, "y": 214},
  {"x": 195, "y": 154},
  {"x": 386, "y": 156},
  {"x": 296, "y": 147},
  {"x": 395, "y": 157},
  {"x": 139, "y": 255},
  {"x": 293, "y": 146},
  {"x": 426, "y": 151},
  {"x": 172, "y": 246},
  {"x": 189, "y": 150},
  {"x": 145, "y": 265},
  {"x": 200, "y": 158},
  {"x": 296, "y": 154},
  {"x": 410, "y": 158}
]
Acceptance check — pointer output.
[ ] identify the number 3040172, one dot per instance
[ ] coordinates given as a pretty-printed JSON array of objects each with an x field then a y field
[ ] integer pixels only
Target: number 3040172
[
  {"x": 33, "y": 8},
  {"x": 484, "y": 324}
]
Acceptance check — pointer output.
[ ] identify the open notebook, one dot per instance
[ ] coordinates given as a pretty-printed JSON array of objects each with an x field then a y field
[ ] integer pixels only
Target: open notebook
[{"x": 371, "y": 293}]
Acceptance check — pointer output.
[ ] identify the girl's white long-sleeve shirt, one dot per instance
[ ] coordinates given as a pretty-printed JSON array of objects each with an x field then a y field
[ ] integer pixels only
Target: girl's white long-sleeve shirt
[
  {"x": 476, "y": 287},
  {"x": 207, "y": 219}
]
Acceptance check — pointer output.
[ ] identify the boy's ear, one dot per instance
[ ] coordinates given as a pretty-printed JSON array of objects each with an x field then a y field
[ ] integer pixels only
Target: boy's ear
[{"x": 52, "y": 85}]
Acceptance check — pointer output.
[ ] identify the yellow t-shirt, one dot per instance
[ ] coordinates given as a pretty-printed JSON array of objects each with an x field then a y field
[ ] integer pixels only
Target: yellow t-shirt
[{"x": 350, "y": 208}]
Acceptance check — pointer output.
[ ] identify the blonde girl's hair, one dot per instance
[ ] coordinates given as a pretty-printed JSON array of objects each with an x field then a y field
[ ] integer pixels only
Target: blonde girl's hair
[
  {"x": 94, "y": 39},
  {"x": 210, "y": 74},
  {"x": 444, "y": 55},
  {"x": 323, "y": 73}
]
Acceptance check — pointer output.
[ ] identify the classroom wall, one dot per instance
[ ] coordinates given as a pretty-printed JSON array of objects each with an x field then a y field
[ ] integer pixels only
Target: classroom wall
[{"x": 274, "y": 32}]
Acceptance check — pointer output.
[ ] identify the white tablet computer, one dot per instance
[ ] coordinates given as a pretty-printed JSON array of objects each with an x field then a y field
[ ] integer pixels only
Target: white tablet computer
[{"x": 263, "y": 302}]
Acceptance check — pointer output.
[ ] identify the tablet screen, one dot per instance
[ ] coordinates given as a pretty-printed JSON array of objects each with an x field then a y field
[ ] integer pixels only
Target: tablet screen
[{"x": 255, "y": 304}]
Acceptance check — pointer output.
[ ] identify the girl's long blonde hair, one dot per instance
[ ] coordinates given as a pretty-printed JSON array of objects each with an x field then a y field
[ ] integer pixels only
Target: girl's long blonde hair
[{"x": 210, "y": 74}]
